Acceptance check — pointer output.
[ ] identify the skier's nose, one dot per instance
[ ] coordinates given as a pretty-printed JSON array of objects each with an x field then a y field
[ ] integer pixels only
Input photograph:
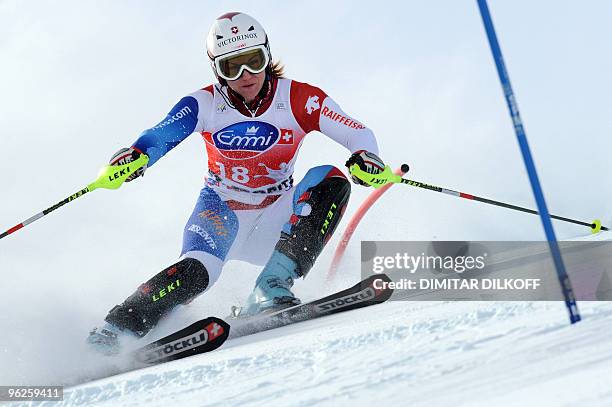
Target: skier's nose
[{"x": 246, "y": 75}]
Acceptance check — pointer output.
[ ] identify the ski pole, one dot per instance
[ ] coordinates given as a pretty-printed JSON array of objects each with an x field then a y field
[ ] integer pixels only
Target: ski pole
[
  {"x": 109, "y": 177},
  {"x": 387, "y": 176}
]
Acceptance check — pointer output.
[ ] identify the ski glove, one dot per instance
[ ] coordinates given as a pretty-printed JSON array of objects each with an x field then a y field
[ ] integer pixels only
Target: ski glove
[
  {"x": 127, "y": 155},
  {"x": 367, "y": 162}
]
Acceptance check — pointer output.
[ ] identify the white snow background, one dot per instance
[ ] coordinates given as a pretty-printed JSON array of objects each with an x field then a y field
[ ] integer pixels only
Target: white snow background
[{"x": 81, "y": 79}]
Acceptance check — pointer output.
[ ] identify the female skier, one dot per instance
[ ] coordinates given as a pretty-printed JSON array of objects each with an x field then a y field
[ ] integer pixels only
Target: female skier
[{"x": 253, "y": 122}]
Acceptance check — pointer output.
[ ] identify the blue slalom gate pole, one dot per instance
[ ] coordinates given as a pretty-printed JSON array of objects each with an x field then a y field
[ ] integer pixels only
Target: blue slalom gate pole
[{"x": 566, "y": 286}]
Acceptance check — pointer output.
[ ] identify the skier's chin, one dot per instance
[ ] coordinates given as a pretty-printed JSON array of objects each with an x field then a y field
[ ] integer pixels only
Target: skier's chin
[{"x": 249, "y": 91}]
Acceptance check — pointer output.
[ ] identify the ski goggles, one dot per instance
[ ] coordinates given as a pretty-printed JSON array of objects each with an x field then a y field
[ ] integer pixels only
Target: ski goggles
[{"x": 232, "y": 65}]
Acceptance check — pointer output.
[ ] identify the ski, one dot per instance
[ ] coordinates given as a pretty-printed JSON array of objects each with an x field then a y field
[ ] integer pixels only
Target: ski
[
  {"x": 362, "y": 294},
  {"x": 200, "y": 337},
  {"x": 210, "y": 333}
]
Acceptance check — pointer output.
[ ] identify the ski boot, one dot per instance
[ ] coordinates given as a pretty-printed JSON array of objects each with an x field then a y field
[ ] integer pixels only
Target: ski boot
[
  {"x": 105, "y": 339},
  {"x": 272, "y": 288}
]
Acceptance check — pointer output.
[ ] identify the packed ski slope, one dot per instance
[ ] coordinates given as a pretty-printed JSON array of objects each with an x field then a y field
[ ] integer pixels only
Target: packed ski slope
[{"x": 409, "y": 353}]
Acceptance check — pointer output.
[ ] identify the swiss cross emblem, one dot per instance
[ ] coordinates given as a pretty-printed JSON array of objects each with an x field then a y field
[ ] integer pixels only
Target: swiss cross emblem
[
  {"x": 235, "y": 30},
  {"x": 214, "y": 330},
  {"x": 286, "y": 136}
]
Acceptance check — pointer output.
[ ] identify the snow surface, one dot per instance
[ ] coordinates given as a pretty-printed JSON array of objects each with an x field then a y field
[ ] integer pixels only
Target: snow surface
[
  {"x": 397, "y": 353},
  {"x": 409, "y": 353}
]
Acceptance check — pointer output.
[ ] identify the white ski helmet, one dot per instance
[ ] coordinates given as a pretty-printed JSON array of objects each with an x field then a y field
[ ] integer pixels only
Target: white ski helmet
[{"x": 236, "y": 41}]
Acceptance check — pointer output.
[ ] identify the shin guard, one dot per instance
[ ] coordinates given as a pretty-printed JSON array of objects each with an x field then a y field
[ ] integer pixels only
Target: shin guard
[
  {"x": 175, "y": 285},
  {"x": 309, "y": 233}
]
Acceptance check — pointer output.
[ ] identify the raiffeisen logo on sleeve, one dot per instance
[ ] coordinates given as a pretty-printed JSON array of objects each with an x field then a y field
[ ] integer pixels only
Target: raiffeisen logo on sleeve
[
  {"x": 244, "y": 140},
  {"x": 347, "y": 121}
]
